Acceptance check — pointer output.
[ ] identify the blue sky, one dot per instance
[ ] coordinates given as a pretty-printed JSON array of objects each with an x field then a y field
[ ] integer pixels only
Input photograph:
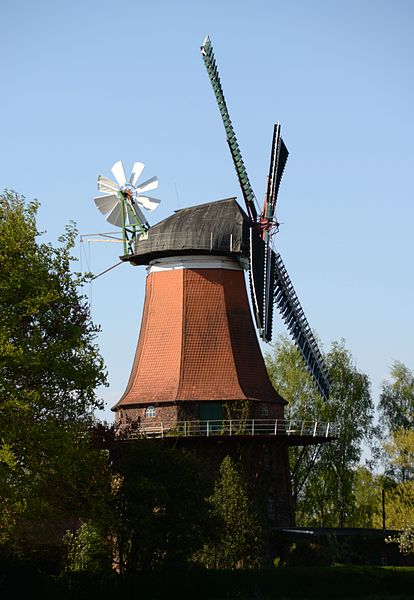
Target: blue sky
[{"x": 85, "y": 84}]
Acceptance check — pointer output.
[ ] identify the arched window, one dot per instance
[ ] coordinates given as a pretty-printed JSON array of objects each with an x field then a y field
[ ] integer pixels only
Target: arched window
[{"x": 150, "y": 411}]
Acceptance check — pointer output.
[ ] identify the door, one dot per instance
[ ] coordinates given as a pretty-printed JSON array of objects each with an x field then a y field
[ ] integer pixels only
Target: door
[{"x": 211, "y": 412}]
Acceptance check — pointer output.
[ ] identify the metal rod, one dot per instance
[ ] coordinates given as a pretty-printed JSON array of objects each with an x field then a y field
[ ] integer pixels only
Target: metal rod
[{"x": 106, "y": 270}]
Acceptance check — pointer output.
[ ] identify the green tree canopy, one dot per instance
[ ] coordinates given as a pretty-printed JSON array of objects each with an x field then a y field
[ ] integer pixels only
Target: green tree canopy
[
  {"x": 50, "y": 367},
  {"x": 159, "y": 512},
  {"x": 238, "y": 540},
  {"x": 399, "y": 496},
  {"x": 326, "y": 497},
  {"x": 396, "y": 404}
]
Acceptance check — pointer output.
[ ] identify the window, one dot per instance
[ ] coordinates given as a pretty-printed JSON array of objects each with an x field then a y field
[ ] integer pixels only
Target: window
[
  {"x": 271, "y": 513},
  {"x": 264, "y": 410},
  {"x": 150, "y": 411}
]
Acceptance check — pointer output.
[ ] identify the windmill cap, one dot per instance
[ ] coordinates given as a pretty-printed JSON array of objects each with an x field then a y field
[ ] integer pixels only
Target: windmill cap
[{"x": 218, "y": 228}]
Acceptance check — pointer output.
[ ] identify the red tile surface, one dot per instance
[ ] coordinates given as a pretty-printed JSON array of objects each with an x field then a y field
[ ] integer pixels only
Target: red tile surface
[{"x": 197, "y": 341}]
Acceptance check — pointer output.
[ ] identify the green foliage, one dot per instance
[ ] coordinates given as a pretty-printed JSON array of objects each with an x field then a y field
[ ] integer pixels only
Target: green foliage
[
  {"x": 326, "y": 499},
  {"x": 399, "y": 497},
  {"x": 50, "y": 367},
  {"x": 367, "y": 499},
  {"x": 87, "y": 550},
  {"x": 238, "y": 536},
  {"x": 396, "y": 408},
  {"x": 291, "y": 379},
  {"x": 159, "y": 514},
  {"x": 396, "y": 404},
  {"x": 400, "y": 452},
  {"x": 239, "y": 410},
  {"x": 405, "y": 539},
  {"x": 399, "y": 506}
]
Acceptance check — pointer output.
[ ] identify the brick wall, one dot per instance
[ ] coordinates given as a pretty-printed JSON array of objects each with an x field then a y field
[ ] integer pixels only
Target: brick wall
[{"x": 168, "y": 412}]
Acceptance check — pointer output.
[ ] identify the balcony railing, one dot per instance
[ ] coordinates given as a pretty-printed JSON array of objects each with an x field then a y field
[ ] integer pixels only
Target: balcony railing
[{"x": 228, "y": 427}]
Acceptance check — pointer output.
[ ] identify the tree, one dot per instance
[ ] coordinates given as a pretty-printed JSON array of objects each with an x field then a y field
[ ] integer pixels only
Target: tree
[
  {"x": 87, "y": 549},
  {"x": 367, "y": 499},
  {"x": 50, "y": 367},
  {"x": 400, "y": 451},
  {"x": 396, "y": 434},
  {"x": 396, "y": 404},
  {"x": 396, "y": 412},
  {"x": 399, "y": 496},
  {"x": 292, "y": 380},
  {"x": 238, "y": 536},
  {"x": 159, "y": 512},
  {"x": 326, "y": 498}
]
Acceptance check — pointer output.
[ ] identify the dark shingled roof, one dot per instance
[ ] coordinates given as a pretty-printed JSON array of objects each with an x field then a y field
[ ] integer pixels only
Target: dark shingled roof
[{"x": 217, "y": 228}]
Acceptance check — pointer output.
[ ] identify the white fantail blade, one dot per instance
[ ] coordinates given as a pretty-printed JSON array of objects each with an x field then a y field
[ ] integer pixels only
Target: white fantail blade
[
  {"x": 148, "y": 202},
  {"x": 115, "y": 216},
  {"x": 132, "y": 219},
  {"x": 146, "y": 186},
  {"x": 140, "y": 216},
  {"x": 130, "y": 212},
  {"x": 106, "y": 185},
  {"x": 106, "y": 203},
  {"x": 119, "y": 173},
  {"x": 137, "y": 169},
  {"x": 135, "y": 216}
]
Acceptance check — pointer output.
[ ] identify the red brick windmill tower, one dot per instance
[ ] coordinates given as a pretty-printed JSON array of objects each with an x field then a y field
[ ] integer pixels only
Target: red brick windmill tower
[{"x": 198, "y": 375}]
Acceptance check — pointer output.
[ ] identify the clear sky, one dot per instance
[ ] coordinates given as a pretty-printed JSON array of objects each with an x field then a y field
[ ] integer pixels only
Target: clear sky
[{"x": 87, "y": 83}]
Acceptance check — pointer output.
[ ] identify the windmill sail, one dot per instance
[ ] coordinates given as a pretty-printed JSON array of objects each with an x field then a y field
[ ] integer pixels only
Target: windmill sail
[
  {"x": 256, "y": 277},
  {"x": 269, "y": 271},
  {"x": 278, "y": 157},
  {"x": 248, "y": 194},
  {"x": 297, "y": 323},
  {"x": 269, "y": 280}
]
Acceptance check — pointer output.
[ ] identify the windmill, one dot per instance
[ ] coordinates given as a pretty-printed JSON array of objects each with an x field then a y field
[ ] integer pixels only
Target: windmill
[
  {"x": 198, "y": 378},
  {"x": 269, "y": 279},
  {"x": 122, "y": 201}
]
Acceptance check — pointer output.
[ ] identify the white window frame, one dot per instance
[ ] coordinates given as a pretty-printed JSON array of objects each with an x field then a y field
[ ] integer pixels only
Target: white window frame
[
  {"x": 150, "y": 412},
  {"x": 264, "y": 410}
]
